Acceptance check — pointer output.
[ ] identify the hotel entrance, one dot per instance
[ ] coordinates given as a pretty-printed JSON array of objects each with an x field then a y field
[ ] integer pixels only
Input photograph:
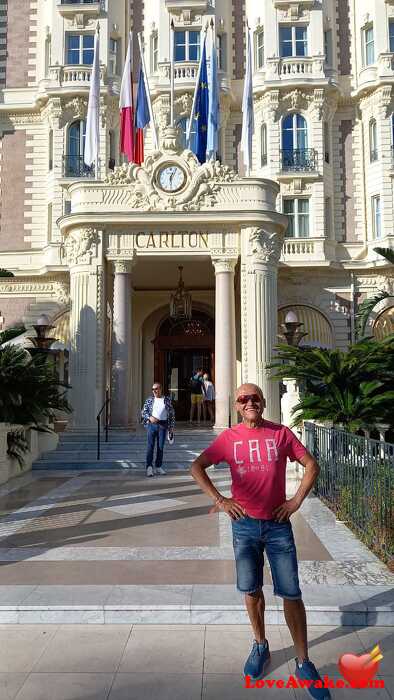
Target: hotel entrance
[{"x": 181, "y": 347}]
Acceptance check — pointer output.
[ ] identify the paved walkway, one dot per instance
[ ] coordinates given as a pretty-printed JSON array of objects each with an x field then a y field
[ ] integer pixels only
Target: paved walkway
[
  {"x": 115, "y": 547},
  {"x": 122, "y": 662}
]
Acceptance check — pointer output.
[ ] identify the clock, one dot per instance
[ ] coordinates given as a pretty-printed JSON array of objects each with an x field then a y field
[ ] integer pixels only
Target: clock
[{"x": 171, "y": 178}]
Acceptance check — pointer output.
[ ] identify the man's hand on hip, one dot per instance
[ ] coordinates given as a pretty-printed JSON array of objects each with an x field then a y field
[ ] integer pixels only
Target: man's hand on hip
[
  {"x": 231, "y": 507},
  {"x": 284, "y": 511},
  {"x": 153, "y": 420}
]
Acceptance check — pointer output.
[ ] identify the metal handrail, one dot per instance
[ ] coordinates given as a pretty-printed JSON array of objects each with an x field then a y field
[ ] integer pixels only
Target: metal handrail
[{"x": 105, "y": 407}]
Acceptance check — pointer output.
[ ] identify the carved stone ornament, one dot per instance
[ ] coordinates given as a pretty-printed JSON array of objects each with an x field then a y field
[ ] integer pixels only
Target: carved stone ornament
[
  {"x": 265, "y": 246},
  {"x": 141, "y": 190},
  {"x": 79, "y": 246},
  {"x": 382, "y": 283},
  {"x": 224, "y": 264},
  {"x": 77, "y": 108},
  {"x": 297, "y": 99},
  {"x": 183, "y": 104}
]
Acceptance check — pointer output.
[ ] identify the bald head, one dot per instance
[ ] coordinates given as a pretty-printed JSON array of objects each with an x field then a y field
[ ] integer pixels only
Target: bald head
[{"x": 249, "y": 389}]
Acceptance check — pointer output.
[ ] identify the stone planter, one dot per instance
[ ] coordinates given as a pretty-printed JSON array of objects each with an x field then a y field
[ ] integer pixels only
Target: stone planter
[{"x": 37, "y": 442}]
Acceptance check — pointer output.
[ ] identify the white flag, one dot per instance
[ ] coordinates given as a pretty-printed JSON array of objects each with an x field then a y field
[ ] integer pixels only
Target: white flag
[
  {"x": 92, "y": 138},
  {"x": 247, "y": 108}
]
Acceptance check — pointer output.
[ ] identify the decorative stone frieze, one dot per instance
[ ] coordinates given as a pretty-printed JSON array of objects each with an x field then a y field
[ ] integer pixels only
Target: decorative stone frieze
[{"x": 54, "y": 288}]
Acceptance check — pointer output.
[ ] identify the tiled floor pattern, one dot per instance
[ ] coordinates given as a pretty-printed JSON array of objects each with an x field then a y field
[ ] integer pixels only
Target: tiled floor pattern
[
  {"x": 172, "y": 662},
  {"x": 89, "y": 545}
]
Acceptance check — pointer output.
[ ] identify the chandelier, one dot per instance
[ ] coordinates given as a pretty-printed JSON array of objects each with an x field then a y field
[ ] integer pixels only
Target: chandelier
[{"x": 181, "y": 301}]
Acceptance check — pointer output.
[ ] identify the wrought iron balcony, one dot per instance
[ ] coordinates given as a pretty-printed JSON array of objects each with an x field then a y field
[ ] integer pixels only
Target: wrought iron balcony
[
  {"x": 299, "y": 160},
  {"x": 373, "y": 155},
  {"x": 74, "y": 166}
]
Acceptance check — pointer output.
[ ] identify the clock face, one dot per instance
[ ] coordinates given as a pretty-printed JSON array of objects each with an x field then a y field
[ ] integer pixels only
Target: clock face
[{"x": 171, "y": 178}]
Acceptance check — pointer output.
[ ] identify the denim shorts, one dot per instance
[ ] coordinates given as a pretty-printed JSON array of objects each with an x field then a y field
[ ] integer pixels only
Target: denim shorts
[{"x": 250, "y": 538}]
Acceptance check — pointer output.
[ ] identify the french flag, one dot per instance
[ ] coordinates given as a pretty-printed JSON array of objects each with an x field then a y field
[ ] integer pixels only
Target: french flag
[
  {"x": 126, "y": 106},
  {"x": 142, "y": 117}
]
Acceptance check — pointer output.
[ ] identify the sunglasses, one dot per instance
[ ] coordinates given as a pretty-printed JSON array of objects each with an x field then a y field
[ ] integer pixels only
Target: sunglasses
[
  {"x": 254, "y": 398},
  {"x": 155, "y": 388}
]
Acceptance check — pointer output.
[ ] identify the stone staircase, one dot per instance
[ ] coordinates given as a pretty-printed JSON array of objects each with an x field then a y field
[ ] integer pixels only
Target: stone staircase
[{"x": 124, "y": 450}]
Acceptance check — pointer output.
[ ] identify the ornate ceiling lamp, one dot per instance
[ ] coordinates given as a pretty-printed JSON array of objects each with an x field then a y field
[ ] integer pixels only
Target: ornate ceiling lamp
[{"x": 181, "y": 301}]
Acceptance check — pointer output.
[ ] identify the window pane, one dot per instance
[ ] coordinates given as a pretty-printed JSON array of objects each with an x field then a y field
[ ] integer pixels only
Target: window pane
[
  {"x": 302, "y": 133},
  {"x": 303, "y": 226},
  {"x": 285, "y": 40},
  {"x": 328, "y": 46},
  {"x": 88, "y": 46},
  {"x": 180, "y": 46},
  {"x": 391, "y": 36},
  {"x": 369, "y": 46},
  {"x": 74, "y": 140},
  {"x": 194, "y": 46},
  {"x": 287, "y": 133},
  {"x": 72, "y": 56},
  {"x": 301, "y": 41},
  {"x": 288, "y": 206},
  {"x": 303, "y": 206}
]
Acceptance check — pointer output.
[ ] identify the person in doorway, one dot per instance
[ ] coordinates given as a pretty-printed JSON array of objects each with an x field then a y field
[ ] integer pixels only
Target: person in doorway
[
  {"x": 208, "y": 398},
  {"x": 158, "y": 417},
  {"x": 196, "y": 394},
  {"x": 257, "y": 451}
]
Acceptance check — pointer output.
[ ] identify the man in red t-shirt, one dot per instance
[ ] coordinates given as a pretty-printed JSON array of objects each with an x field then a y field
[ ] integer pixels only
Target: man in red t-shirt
[{"x": 257, "y": 451}]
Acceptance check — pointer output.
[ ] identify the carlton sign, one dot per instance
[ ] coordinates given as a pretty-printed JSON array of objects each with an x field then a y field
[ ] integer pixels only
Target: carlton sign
[{"x": 171, "y": 240}]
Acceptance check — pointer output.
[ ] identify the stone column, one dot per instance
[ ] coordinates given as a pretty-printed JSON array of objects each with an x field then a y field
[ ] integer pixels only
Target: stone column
[
  {"x": 121, "y": 343},
  {"x": 260, "y": 257},
  {"x": 82, "y": 251},
  {"x": 225, "y": 357}
]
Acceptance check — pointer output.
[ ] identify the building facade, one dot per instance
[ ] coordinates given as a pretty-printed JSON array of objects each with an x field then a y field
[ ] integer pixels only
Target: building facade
[{"x": 99, "y": 252}]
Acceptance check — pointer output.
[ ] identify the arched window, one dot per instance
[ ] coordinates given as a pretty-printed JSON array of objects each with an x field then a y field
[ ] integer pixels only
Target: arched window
[
  {"x": 183, "y": 124},
  {"x": 74, "y": 163},
  {"x": 295, "y": 152},
  {"x": 263, "y": 145},
  {"x": 373, "y": 141}
]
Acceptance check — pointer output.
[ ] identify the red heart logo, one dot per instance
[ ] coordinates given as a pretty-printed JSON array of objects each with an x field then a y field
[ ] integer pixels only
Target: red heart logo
[{"x": 359, "y": 670}]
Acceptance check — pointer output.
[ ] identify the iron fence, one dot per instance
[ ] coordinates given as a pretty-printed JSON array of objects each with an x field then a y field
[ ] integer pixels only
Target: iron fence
[{"x": 356, "y": 481}]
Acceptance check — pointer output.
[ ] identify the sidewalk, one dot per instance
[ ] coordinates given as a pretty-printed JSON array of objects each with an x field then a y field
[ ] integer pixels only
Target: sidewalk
[
  {"x": 115, "y": 547},
  {"x": 121, "y": 662}
]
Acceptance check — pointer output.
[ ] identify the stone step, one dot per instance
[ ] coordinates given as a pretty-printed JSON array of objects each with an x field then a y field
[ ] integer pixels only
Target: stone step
[
  {"x": 184, "y": 604},
  {"x": 108, "y": 464}
]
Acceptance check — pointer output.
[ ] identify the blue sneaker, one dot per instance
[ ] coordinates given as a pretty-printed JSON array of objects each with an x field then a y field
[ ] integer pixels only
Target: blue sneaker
[
  {"x": 257, "y": 660},
  {"x": 307, "y": 671}
]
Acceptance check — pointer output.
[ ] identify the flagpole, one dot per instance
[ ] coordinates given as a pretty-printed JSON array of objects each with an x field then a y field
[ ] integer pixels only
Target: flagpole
[
  {"x": 247, "y": 45},
  {"x": 92, "y": 137},
  {"x": 98, "y": 116},
  {"x": 152, "y": 118},
  {"x": 172, "y": 70},
  {"x": 189, "y": 129}
]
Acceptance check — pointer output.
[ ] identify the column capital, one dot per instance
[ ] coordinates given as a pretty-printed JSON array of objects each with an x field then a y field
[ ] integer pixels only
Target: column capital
[
  {"x": 224, "y": 264},
  {"x": 123, "y": 266},
  {"x": 265, "y": 246}
]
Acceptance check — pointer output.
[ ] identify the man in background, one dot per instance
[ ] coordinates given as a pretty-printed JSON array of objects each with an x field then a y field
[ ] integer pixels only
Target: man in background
[{"x": 158, "y": 417}]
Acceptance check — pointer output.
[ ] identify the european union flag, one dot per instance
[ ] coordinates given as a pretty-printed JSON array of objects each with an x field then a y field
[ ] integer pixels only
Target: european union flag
[{"x": 202, "y": 108}]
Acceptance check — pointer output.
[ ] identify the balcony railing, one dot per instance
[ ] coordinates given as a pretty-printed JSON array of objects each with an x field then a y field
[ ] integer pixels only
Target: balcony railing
[
  {"x": 74, "y": 166},
  {"x": 373, "y": 156},
  {"x": 79, "y": 2},
  {"x": 297, "y": 68},
  {"x": 299, "y": 160}
]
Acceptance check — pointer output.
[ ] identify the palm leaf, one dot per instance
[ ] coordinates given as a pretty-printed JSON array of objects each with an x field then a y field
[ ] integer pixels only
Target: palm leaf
[{"x": 387, "y": 253}]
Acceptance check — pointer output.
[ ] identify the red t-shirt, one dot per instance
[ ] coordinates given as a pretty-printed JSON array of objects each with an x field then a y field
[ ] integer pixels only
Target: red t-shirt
[{"x": 257, "y": 458}]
